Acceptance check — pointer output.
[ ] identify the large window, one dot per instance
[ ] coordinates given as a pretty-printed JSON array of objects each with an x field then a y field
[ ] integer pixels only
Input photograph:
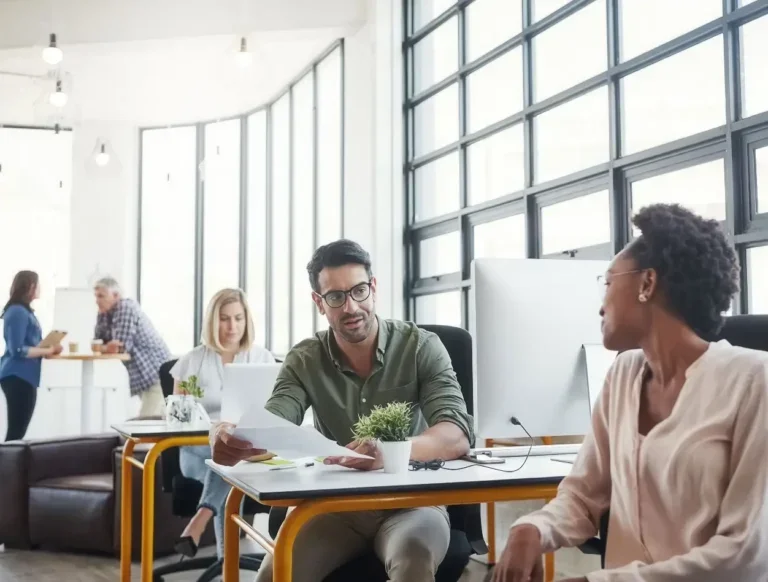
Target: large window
[
  {"x": 244, "y": 202},
  {"x": 35, "y": 189},
  {"x": 535, "y": 128}
]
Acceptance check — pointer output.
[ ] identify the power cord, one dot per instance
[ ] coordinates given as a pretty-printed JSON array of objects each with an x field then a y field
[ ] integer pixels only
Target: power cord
[{"x": 436, "y": 464}]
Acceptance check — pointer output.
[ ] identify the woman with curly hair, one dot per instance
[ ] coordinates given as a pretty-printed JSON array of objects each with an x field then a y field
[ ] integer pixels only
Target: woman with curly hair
[{"x": 678, "y": 449}]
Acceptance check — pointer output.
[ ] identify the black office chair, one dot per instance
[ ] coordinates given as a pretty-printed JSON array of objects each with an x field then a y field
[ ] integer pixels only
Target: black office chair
[
  {"x": 185, "y": 498},
  {"x": 466, "y": 528},
  {"x": 745, "y": 331}
]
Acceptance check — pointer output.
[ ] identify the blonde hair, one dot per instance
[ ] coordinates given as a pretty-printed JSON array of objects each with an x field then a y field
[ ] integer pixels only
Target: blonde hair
[{"x": 210, "y": 336}]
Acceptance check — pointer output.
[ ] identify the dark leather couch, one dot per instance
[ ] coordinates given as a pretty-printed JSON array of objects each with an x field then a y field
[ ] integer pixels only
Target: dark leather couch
[{"x": 65, "y": 494}]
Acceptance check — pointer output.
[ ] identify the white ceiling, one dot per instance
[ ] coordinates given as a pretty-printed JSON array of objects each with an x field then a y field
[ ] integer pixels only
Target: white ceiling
[{"x": 148, "y": 62}]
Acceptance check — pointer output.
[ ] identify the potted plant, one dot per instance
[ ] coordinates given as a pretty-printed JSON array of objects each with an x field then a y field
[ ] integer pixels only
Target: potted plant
[
  {"x": 183, "y": 408},
  {"x": 390, "y": 427}
]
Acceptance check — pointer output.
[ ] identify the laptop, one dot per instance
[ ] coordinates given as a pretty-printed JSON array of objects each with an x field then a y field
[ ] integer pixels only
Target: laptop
[{"x": 245, "y": 386}]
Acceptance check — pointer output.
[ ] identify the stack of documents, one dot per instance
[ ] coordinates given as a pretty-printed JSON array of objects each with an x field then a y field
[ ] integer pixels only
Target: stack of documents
[{"x": 267, "y": 431}]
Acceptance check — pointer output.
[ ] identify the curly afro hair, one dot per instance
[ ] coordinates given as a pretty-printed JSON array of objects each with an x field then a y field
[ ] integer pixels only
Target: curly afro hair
[{"x": 697, "y": 267}]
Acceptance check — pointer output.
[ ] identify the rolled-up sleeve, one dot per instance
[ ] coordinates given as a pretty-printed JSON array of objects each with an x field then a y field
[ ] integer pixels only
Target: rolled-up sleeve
[
  {"x": 289, "y": 399},
  {"x": 15, "y": 323},
  {"x": 440, "y": 395}
]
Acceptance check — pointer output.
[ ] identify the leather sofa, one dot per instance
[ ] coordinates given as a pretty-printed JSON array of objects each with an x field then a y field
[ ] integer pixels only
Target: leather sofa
[{"x": 65, "y": 494}]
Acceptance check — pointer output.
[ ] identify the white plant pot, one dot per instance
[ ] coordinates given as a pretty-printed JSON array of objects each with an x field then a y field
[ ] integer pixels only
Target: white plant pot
[
  {"x": 395, "y": 455},
  {"x": 182, "y": 410}
]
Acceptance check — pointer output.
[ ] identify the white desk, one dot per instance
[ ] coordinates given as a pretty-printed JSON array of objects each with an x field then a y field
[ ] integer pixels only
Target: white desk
[
  {"x": 320, "y": 489},
  {"x": 87, "y": 385}
]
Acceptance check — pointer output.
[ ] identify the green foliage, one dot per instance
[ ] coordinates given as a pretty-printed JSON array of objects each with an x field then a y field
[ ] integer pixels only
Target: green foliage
[
  {"x": 390, "y": 423},
  {"x": 191, "y": 387}
]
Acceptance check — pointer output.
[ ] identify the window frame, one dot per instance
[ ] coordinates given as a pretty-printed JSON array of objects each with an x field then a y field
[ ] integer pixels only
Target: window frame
[
  {"x": 734, "y": 142},
  {"x": 242, "y": 221}
]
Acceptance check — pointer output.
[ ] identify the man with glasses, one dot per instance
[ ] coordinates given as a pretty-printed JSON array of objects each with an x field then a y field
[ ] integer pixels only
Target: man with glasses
[{"x": 342, "y": 373}]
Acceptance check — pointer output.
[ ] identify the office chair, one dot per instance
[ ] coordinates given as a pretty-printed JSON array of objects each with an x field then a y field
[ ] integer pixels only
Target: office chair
[
  {"x": 186, "y": 496},
  {"x": 745, "y": 331},
  {"x": 466, "y": 528}
]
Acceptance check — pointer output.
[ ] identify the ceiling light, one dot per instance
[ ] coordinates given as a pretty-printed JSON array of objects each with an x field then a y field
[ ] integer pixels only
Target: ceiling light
[
  {"x": 52, "y": 54},
  {"x": 102, "y": 158},
  {"x": 58, "y": 98},
  {"x": 242, "y": 57}
]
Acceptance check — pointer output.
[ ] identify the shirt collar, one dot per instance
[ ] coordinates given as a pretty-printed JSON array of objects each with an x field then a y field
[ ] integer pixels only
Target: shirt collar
[{"x": 381, "y": 345}]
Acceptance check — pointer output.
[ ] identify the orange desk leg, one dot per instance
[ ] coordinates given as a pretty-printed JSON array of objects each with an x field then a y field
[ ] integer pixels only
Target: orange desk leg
[
  {"x": 546, "y": 440},
  {"x": 126, "y": 500},
  {"x": 549, "y": 567},
  {"x": 231, "y": 569},
  {"x": 148, "y": 511},
  {"x": 490, "y": 515}
]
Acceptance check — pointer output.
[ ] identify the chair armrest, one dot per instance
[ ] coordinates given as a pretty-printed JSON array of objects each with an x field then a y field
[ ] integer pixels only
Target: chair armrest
[
  {"x": 82, "y": 455},
  {"x": 14, "y": 495},
  {"x": 277, "y": 516}
]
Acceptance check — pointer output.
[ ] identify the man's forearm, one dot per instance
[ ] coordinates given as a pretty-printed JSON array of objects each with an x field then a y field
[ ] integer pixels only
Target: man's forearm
[{"x": 445, "y": 441}]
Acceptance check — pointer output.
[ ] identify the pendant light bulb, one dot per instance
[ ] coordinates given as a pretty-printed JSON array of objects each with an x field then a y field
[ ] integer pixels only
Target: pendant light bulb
[
  {"x": 58, "y": 98},
  {"x": 52, "y": 54},
  {"x": 243, "y": 58},
  {"x": 102, "y": 158}
]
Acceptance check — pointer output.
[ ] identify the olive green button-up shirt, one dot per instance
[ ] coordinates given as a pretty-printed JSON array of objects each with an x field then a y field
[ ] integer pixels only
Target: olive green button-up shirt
[{"x": 412, "y": 365}]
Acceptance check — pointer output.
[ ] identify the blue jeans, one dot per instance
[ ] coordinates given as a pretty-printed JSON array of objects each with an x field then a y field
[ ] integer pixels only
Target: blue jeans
[{"x": 215, "y": 489}]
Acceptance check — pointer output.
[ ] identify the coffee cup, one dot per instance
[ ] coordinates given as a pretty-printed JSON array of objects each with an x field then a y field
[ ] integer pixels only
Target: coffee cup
[
  {"x": 73, "y": 347},
  {"x": 97, "y": 346}
]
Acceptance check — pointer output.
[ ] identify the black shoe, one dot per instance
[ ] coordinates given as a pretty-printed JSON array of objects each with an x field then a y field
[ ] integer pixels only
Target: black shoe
[{"x": 186, "y": 546}]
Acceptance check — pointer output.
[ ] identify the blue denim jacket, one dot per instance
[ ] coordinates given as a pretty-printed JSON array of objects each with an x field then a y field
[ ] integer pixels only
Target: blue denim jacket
[{"x": 21, "y": 331}]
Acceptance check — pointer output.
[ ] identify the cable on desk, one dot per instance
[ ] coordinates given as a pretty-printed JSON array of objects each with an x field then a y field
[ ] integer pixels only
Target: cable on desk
[{"x": 440, "y": 464}]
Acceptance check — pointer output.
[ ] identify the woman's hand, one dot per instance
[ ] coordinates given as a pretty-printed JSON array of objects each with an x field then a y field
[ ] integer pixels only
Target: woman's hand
[{"x": 521, "y": 559}]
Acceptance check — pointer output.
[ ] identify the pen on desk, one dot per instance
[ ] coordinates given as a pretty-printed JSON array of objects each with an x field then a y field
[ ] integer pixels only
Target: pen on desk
[
  {"x": 281, "y": 467},
  {"x": 566, "y": 461}
]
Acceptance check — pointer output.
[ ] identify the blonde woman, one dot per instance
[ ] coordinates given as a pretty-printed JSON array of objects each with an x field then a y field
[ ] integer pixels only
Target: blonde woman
[{"x": 227, "y": 338}]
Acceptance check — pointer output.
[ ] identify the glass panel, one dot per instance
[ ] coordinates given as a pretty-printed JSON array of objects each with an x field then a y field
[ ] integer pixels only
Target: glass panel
[
  {"x": 495, "y": 91},
  {"x": 256, "y": 235},
  {"x": 436, "y": 187},
  {"x": 700, "y": 188},
  {"x": 329, "y": 188},
  {"x": 677, "y": 97},
  {"x": 745, "y": 2},
  {"x": 757, "y": 272},
  {"x": 761, "y": 167},
  {"x": 439, "y": 309},
  {"x": 489, "y": 23},
  {"x": 439, "y": 255},
  {"x": 303, "y": 206},
  {"x": 221, "y": 217},
  {"x": 281, "y": 227},
  {"x": 36, "y": 216},
  {"x": 580, "y": 222},
  {"x": 754, "y": 47},
  {"x": 436, "y": 121},
  {"x": 571, "y": 51},
  {"x": 543, "y": 8},
  {"x": 503, "y": 238},
  {"x": 496, "y": 165},
  {"x": 646, "y": 24},
  {"x": 168, "y": 176},
  {"x": 572, "y": 136},
  {"x": 436, "y": 56},
  {"x": 425, "y": 11}
]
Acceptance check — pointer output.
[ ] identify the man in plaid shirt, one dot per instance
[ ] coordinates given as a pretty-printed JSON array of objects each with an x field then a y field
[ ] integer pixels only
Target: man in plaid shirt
[{"x": 123, "y": 326}]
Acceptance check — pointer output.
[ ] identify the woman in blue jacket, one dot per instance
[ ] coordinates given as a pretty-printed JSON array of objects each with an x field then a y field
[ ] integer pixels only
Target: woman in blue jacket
[{"x": 20, "y": 364}]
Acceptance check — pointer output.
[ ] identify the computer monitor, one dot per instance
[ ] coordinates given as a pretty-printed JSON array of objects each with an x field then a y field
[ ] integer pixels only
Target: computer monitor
[
  {"x": 529, "y": 319},
  {"x": 598, "y": 360},
  {"x": 246, "y": 385}
]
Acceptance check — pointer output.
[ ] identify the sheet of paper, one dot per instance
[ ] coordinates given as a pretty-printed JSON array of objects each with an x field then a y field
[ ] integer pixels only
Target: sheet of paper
[{"x": 266, "y": 431}]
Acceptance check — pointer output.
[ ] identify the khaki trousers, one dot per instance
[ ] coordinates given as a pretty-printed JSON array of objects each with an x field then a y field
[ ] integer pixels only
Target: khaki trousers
[
  {"x": 152, "y": 402},
  {"x": 411, "y": 543}
]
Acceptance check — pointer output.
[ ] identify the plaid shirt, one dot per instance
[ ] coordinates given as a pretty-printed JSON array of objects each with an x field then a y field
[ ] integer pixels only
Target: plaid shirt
[{"x": 127, "y": 323}]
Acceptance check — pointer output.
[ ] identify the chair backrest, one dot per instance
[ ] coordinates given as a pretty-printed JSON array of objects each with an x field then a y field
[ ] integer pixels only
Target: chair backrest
[
  {"x": 746, "y": 331},
  {"x": 171, "y": 466},
  {"x": 458, "y": 344}
]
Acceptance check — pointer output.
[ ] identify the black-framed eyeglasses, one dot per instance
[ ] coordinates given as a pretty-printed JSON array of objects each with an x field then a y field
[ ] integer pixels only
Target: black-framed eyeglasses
[{"x": 359, "y": 293}]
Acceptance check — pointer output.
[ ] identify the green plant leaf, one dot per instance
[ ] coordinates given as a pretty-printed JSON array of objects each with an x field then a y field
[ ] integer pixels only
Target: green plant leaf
[
  {"x": 191, "y": 387},
  {"x": 389, "y": 423}
]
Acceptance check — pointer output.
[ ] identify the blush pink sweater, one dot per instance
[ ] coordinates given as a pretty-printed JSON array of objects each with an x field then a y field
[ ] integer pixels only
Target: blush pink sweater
[{"x": 689, "y": 501}]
